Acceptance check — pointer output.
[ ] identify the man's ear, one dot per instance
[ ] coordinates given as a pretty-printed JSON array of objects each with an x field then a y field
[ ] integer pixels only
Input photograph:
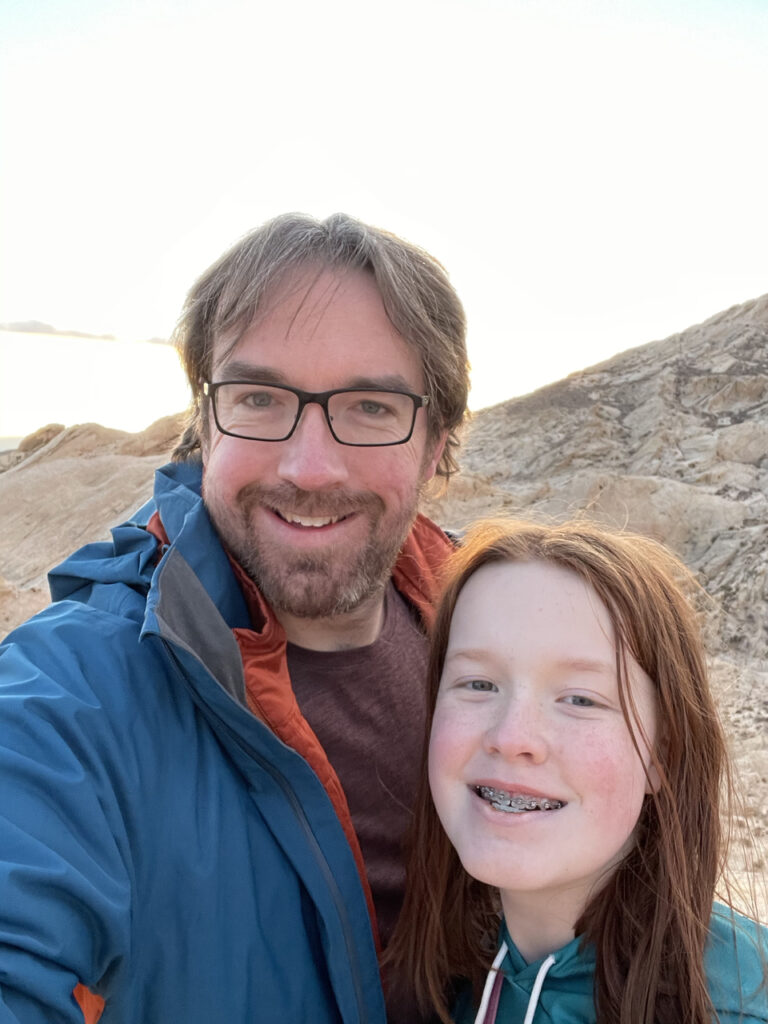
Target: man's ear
[{"x": 432, "y": 455}]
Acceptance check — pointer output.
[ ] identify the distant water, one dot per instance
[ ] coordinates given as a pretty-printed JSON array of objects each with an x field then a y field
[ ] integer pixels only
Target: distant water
[{"x": 57, "y": 378}]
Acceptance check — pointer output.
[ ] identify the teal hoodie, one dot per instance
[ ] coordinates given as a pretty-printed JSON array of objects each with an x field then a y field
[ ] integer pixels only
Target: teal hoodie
[{"x": 558, "y": 989}]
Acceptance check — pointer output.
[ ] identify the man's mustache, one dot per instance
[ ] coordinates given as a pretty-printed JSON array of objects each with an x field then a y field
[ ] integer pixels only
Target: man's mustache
[{"x": 288, "y": 497}]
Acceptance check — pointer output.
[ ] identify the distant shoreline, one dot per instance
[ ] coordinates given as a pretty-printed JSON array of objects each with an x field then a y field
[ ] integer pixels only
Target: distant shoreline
[
  {"x": 124, "y": 385},
  {"x": 37, "y": 327}
]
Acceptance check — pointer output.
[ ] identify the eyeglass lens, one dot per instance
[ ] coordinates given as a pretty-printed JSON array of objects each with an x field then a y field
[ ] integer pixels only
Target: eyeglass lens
[{"x": 263, "y": 412}]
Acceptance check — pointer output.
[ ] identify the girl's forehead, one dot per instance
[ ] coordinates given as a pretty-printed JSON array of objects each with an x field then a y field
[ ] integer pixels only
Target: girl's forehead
[
  {"x": 538, "y": 609},
  {"x": 535, "y": 593}
]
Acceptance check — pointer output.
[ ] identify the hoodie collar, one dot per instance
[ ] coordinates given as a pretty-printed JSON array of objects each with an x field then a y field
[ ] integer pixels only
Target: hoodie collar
[{"x": 574, "y": 961}]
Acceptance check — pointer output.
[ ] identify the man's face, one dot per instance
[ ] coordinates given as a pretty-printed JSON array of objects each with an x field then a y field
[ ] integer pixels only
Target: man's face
[{"x": 317, "y": 524}]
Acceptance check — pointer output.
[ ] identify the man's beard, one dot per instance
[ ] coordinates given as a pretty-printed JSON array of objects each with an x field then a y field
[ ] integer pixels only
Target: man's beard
[{"x": 314, "y": 584}]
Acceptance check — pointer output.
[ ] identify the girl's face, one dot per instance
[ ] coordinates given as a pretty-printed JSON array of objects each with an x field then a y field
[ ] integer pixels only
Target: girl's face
[{"x": 532, "y": 766}]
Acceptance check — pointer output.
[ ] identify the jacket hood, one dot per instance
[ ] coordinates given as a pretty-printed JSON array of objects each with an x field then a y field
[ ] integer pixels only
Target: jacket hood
[{"x": 132, "y": 556}]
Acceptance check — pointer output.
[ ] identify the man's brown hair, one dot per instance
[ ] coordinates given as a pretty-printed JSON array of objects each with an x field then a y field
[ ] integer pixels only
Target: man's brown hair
[{"x": 418, "y": 299}]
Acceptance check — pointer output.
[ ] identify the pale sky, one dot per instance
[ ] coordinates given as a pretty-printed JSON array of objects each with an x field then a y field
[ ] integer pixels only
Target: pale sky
[{"x": 592, "y": 174}]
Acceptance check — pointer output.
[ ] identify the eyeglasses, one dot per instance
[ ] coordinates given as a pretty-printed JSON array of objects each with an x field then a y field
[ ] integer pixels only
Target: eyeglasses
[{"x": 364, "y": 418}]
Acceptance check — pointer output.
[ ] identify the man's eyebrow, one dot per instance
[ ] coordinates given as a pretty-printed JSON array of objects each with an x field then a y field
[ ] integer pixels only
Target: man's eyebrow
[
  {"x": 237, "y": 370},
  {"x": 388, "y": 381}
]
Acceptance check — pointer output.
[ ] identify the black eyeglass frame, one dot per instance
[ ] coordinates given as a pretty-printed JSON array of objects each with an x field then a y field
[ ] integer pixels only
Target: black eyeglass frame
[{"x": 320, "y": 398}]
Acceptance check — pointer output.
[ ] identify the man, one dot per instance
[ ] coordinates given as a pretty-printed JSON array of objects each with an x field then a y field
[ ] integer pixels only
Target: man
[{"x": 209, "y": 742}]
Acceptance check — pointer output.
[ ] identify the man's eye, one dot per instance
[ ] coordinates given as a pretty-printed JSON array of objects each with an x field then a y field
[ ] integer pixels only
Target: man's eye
[
  {"x": 257, "y": 399},
  {"x": 371, "y": 408}
]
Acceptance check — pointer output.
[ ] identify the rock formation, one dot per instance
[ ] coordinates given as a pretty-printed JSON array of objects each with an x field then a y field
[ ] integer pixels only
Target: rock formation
[{"x": 64, "y": 488}]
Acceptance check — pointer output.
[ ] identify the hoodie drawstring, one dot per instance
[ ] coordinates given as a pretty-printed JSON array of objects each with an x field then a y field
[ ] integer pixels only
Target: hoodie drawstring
[
  {"x": 533, "y": 1002},
  {"x": 493, "y": 976},
  {"x": 489, "y": 1003}
]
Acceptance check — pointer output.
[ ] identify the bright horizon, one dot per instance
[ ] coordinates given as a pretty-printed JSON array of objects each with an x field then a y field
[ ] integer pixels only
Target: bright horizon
[{"x": 591, "y": 174}]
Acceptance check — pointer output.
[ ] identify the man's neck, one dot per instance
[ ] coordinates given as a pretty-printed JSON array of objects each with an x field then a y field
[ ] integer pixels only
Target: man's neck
[{"x": 357, "y": 628}]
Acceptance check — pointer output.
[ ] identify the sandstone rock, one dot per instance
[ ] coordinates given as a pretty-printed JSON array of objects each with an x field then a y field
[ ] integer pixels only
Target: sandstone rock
[
  {"x": 19, "y": 603},
  {"x": 744, "y": 442},
  {"x": 66, "y": 492},
  {"x": 32, "y": 442},
  {"x": 82, "y": 498}
]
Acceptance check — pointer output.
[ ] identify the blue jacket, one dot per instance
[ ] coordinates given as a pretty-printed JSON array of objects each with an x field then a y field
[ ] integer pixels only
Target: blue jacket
[
  {"x": 158, "y": 843},
  {"x": 559, "y": 989}
]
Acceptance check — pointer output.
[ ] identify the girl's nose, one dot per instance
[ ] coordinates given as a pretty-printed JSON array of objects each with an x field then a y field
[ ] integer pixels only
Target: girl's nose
[{"x": 519, "y": 731}]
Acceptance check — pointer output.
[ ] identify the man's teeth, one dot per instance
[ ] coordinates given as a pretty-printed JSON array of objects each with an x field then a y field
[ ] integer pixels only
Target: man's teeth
[
  {"x": 516, "y": 803},
  {"x": 315, "y": 521}
]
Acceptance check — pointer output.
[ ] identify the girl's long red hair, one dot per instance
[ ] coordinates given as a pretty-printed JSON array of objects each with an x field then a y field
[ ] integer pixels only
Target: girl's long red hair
[{"x": 649, "y": 922}]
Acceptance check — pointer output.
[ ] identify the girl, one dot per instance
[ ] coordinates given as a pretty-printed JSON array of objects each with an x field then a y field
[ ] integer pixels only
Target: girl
[{"x": 576, "y": 763}]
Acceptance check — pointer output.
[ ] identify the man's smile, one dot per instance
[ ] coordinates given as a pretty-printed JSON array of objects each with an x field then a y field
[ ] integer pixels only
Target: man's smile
[{"x": 311, "y": 521}]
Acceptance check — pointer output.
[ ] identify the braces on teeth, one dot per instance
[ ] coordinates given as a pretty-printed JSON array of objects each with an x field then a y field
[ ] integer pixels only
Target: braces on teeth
[{"x": 503, "y": 801}]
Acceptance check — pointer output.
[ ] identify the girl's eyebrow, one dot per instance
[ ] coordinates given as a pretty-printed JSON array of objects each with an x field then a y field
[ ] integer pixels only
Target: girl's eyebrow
[
  {"x": 588, "y": 665},
  {"x": 470, "y": 653},
  {"x": 573, "y": 664}
]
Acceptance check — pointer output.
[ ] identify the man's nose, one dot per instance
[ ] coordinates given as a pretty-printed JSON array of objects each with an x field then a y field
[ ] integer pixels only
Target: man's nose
[
  {"x": 519, "y": 730},
  {"x": 311, "y": 458}
]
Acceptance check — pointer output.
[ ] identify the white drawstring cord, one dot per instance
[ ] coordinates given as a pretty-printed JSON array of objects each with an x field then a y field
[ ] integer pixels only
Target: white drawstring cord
[
  {"x": 533, "y": 1002},
  {"x": 498, "y": 960}
]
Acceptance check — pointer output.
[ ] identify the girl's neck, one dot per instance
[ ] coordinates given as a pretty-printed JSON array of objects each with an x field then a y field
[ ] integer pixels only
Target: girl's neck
[{"x": 539, "y": 925}]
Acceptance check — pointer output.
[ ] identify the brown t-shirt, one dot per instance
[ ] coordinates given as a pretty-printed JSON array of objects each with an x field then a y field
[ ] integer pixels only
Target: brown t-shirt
[{"x": 367, "y": 708}]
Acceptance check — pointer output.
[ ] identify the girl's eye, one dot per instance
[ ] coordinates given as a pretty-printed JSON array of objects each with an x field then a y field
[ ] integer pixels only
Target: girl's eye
[
  {"x": 578, "y": 700},
  {"x": 479, "y": 685}
]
